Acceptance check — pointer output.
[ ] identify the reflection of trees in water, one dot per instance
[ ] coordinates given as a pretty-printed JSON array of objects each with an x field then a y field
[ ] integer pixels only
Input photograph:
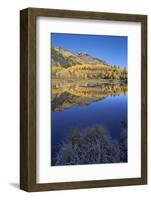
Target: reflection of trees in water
[
  {"x": 91, "y": 146},
  {"x": 66, "y": 95}
]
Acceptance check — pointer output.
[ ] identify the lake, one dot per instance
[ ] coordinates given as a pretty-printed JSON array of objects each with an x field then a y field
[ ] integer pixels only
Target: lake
[{"x": 82, "y": 104}]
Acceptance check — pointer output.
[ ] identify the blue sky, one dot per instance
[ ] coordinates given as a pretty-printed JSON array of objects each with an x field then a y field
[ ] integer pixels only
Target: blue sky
[{"x": 112, "y": 49}]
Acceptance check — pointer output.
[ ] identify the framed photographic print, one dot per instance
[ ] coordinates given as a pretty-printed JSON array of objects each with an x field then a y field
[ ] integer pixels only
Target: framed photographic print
[{"x": 83, "y": 93}]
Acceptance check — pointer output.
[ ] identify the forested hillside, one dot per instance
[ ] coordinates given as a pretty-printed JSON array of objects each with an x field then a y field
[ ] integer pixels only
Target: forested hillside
[{"x": 65, "y": 64}]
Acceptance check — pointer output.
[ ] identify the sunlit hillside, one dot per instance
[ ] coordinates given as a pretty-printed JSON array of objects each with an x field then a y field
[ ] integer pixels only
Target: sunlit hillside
[{"x": 65, "y": 64}]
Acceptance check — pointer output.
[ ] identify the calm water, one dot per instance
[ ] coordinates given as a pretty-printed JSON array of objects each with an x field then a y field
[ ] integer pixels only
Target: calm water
[{"x": 84, "y": 105}]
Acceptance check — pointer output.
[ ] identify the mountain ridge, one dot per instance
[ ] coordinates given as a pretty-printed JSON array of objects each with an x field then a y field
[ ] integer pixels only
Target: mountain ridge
[{"x": 65, "y": 58}]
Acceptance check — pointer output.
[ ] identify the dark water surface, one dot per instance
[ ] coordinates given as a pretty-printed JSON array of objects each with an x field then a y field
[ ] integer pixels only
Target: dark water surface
[{"x": 85, "y": 105}]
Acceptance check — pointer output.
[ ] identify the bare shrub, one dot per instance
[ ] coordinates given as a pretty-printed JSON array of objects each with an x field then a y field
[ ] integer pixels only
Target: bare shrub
[{"x": 90, "y": 146}]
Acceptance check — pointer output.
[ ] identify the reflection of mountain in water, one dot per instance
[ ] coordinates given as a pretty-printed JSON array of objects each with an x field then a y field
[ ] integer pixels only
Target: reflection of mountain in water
[{"x": 68, "y": 94}]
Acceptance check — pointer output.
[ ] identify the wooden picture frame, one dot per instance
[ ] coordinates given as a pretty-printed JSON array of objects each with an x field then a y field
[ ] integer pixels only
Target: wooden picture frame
[{"x": 28, "y": 98}]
